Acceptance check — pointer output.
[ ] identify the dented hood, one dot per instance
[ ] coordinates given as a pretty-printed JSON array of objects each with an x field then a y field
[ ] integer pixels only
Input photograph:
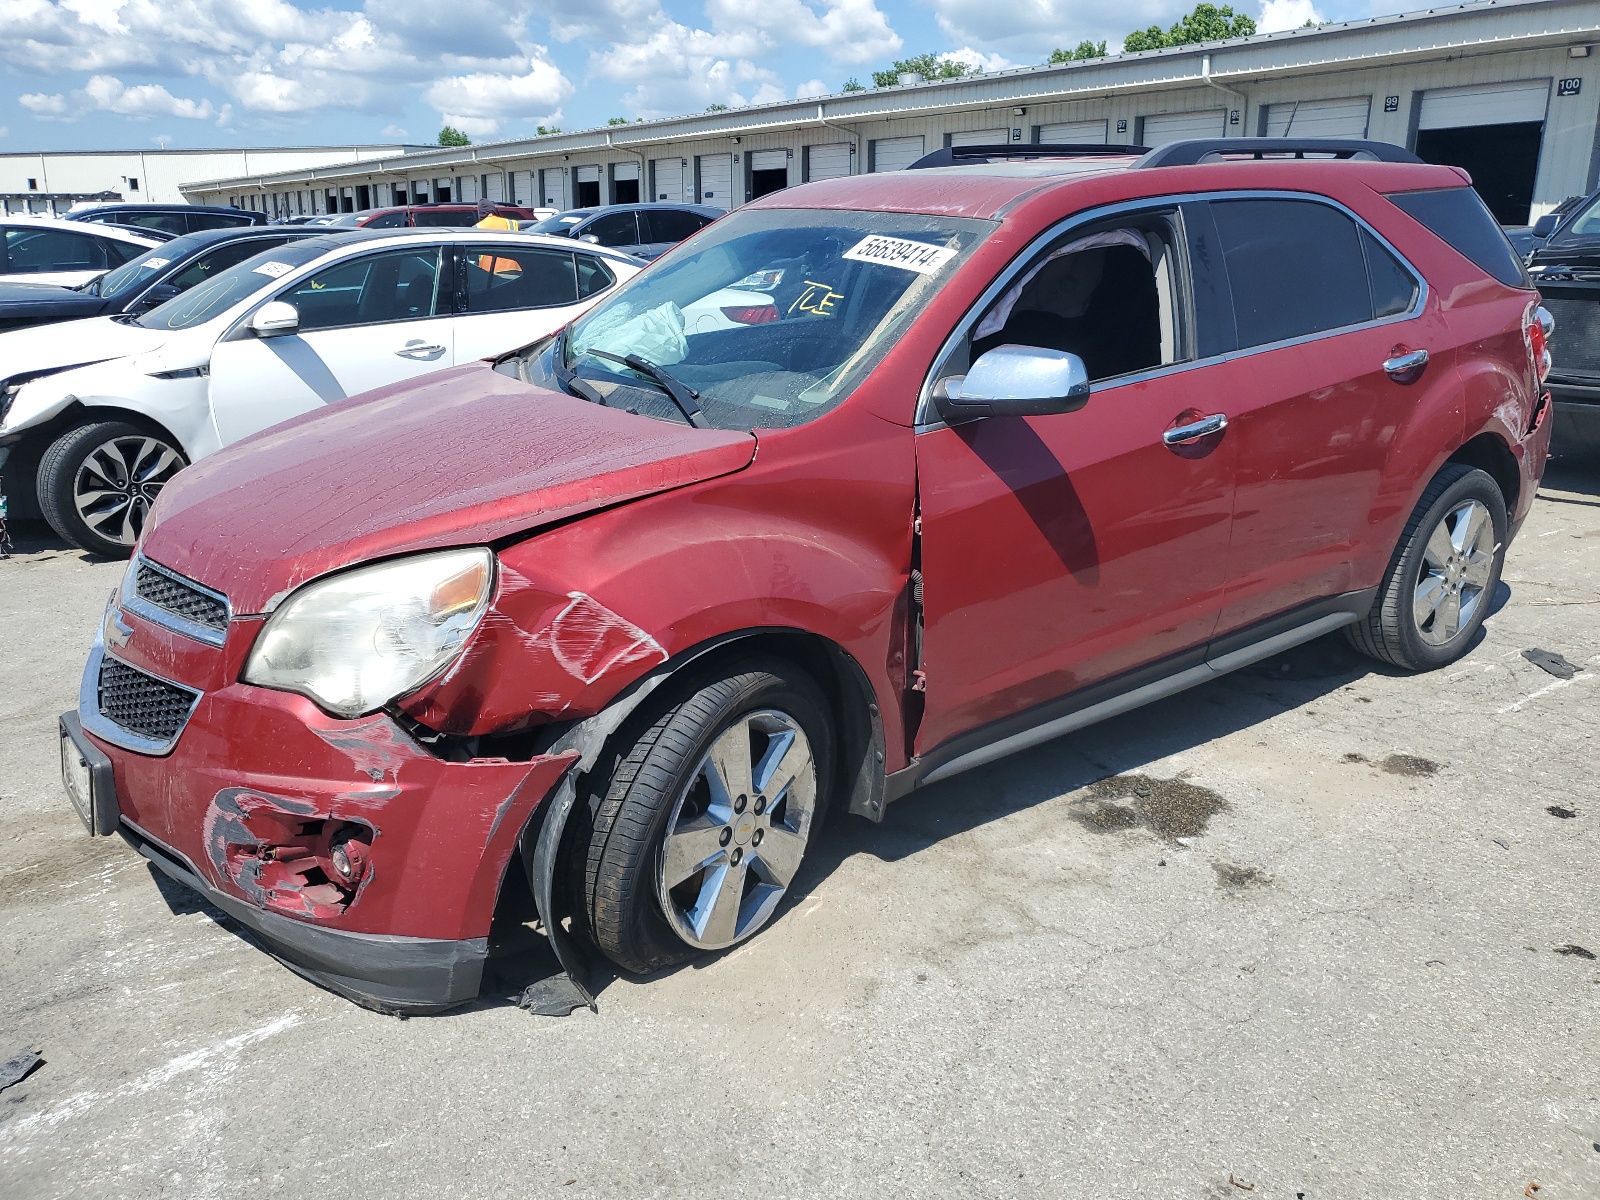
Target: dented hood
[{"x": 459, "y": 457}]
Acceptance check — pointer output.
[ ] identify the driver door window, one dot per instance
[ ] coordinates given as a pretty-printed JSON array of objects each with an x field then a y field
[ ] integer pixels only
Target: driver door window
[
  {"x": 613, "y": 229},
  {"x": 402, "y": 285}
]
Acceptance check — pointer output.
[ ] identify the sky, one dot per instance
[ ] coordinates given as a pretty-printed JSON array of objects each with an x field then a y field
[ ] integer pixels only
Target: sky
[{"x": 112, "y": 74}]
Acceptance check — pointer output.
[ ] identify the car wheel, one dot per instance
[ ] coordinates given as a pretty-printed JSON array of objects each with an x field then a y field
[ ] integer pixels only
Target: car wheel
[
  {"x": 707, "y": 816},
  {"x": 98, "y": 481},
  {"x": 1443, "y": 575}
]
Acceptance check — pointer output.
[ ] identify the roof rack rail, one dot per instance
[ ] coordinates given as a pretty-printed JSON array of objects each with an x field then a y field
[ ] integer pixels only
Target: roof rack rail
[
  {"x": 954, "y": 156},
  {"x": 1198, "y": 150}
]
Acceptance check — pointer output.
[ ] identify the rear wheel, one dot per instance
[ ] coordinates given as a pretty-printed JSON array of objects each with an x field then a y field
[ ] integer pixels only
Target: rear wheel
[
  {"x": 97, "y": 483},
  {"x": 1441, "y": 580},
  {"x": 707, "y": 816}
]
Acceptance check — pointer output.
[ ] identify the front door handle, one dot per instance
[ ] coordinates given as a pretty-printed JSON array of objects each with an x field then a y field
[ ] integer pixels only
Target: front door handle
[
  {"x": 1185, "y": 435},
  {"x": 1404, "y": 368},
  {"x": 418, "y": 349}
]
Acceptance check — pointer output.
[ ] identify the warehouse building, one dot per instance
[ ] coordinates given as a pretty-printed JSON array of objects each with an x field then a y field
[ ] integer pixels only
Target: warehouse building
[
  {"x": 1508, "y": 89},
  {"x": 51, "y": 183}
]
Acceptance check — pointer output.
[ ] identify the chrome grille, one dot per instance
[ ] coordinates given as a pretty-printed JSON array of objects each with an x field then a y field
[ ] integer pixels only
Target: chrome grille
[
  {"x": 180, "y": 597},
  {"x": 1575, "y": 348},
  {"x": 143, "y": 704}
]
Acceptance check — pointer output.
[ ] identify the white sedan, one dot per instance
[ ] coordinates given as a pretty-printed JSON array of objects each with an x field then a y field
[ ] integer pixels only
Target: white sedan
[
  {"x": 66, "y": 253},
  {"x": 112, "y": 407}
]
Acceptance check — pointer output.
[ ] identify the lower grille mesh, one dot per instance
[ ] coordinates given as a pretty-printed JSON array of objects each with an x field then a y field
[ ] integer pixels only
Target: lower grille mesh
[
  {"x": 1575, "y": 348},
  {"x": 142, "y": 704}
]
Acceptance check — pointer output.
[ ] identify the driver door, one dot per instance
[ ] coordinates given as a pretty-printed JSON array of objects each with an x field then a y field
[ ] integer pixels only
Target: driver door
[
  {"x": 1063, "y": 550},
  {"x": 364, "y": 322}
]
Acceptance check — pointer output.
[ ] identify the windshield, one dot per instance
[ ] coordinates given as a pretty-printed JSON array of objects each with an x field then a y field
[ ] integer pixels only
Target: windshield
[
  {"x": 221, "y": 292},
  {"x": 558, "y": 224},
  {"x": 770, "y": 316},
  {"x": 1586, "y": 223},
  {"x": 135, "y": 273}
]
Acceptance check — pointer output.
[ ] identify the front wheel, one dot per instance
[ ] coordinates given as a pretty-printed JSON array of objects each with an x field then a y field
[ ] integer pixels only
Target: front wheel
[
  {"x": 98, "y": 481},
  {"x": 707, "y": 816},
  {"x": 1436, "y": 594}
]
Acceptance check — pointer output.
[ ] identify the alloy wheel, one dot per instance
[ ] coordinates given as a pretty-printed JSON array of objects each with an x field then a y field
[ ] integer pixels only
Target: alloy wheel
[
  {"x": 118, "y": 481},
  {"x": 738, "y": 831},
  {"x": 1457, "y": 564}
]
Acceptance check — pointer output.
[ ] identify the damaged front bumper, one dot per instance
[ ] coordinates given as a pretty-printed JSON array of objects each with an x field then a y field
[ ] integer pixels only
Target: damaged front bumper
[{"x": 357, "y": 857}]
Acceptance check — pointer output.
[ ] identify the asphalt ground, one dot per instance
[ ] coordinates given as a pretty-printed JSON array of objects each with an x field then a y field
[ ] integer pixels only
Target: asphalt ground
[{"x": 1315, "y": 930}]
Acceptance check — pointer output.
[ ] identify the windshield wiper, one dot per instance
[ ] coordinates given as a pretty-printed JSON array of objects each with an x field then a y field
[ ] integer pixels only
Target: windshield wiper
[
  {"x": 680, "y": 395},
  {"x": 567, "y": 377}
]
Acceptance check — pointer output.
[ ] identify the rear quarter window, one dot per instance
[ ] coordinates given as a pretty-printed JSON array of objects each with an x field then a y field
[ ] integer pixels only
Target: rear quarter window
[{"x": 1459, "y": 216}]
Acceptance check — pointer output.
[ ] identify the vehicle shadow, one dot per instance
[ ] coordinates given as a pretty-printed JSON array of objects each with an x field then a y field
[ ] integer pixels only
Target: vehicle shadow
[
  {"x": 37, "y": 538},
  {"x": 1572, "y": 479}
]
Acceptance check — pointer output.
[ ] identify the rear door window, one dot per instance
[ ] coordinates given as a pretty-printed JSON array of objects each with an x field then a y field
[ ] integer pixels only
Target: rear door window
[
  {"x": 36, "y": 251},
  {"x": 172, "y": 223},
  {"x": 515, "y": 277},
  {"x": 217, "y": 220},
  {"x": 210, "y": 265},
  {"x": 670, "y": 224},
  {"x": 593, "y": 276},
  {"x": 1296, "y": 268}
]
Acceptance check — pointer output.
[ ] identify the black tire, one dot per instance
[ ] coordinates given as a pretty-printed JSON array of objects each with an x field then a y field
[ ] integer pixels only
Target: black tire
[
  {"x": 617, "y": 856},
  {"x": 148, "y": 461},
  {"x": 1391, "y": 632}
]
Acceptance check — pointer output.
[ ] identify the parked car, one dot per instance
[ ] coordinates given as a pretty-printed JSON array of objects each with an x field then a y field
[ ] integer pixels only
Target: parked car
[
  {"x": 425, "y": 216},
  {"x": 141, "y": 283},
  {"x": 632, "y": 608},
  {"x": 51, "y": 250},
  {"x": 646, "y": 231},
  {"x": 1525, "y": 239},
  {"x": 1566, "y": 270},
  {"x": 305, "y": 219},
  {"x": 296, "y": 327},
  {"x": 173, "y": 219}
]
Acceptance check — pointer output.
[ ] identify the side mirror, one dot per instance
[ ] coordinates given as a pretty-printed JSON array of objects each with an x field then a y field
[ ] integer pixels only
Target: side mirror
[
  {"x": 1546, "y": 225},
  {"x": 158, "y": 295},
  {"x": 275, "y": 317},
  {"x": 1015, "y": 381},
  {"x": 590, "y": 238}
]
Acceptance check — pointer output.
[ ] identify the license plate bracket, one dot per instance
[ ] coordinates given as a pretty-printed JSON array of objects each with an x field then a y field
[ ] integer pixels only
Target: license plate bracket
[{"x": 87, "y": 776}]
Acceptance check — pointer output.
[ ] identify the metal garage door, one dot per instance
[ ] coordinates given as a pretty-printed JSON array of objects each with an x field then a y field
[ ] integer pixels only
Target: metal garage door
[
  {"x": 496, "y": 188},
  {"x": 588, "y": 174},
  {"x": 625, "y": 170},
  {"x": 769, "y": 160},
  {"x": 895, "y": 154},
  {"x": 828, "y": 162},
  {"x": 669, "y": 179},
  {"x": 1486, "y": 104},
  {"x": 715, "y": 172},
  {"x": 1074, "y": 133},
  {"x": 521, "y": 187},
  {"x": 1320, "y": 118},
  {"x": 552, "y": 190},
  {"x": 981, "y": 137},
  {"x": 1176, "y": 127}
]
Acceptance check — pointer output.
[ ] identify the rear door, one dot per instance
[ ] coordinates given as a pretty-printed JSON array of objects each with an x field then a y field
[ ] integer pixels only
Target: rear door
[
  {"x": 1064, "y": 550},
  {"x": 515, "y": 294},
  {"x": 660, "y": 229},
  {"x": 364, "y": 322},
  {"x": 1318, "y": 304}
]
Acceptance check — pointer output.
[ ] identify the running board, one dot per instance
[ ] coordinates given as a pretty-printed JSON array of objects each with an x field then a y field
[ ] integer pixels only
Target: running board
[{"x": 1159, "y": 689}]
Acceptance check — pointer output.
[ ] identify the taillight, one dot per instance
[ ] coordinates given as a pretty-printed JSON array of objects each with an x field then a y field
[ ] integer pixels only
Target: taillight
[
  {"x": 1537, "y": 326},
  {"x": 755, "y": 314}
]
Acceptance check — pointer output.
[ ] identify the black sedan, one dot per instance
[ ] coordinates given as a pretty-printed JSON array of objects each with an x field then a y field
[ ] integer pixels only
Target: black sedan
[
  {"x": 645, "y": 231},
  {"x": 142, "y": 283}
]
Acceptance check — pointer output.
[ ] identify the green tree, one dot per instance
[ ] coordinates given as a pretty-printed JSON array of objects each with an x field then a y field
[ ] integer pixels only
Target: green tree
[
  {"x": 547, "y": 130},
  {"x": 929, "y": 66},
  {"x": 451, "y": 136},
  {"x": 1078, "y": 53},
  {"x": 852, "y": 85},
  {"x": 1207, "y": 23},
  {"x": 716, "y": 108},
  {"x": 618, "y": 121}
]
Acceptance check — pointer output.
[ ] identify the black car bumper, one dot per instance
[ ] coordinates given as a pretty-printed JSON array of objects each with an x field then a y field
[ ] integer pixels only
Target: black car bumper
[{"x": 390, "y": 974}]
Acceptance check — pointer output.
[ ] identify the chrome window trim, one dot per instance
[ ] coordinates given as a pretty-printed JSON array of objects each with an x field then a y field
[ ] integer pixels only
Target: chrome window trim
[
  {"x": 927, "y": 418},
  {"x": 132, "y": 602},
  {"x": 103, "y": 727}
]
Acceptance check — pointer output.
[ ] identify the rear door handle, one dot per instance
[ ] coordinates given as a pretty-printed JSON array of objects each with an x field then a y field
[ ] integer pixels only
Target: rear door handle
[
  {"x": 418, "y": 350},
  {"x": 1184, "y": 435},
  {"x": 1404, "y": 368}
]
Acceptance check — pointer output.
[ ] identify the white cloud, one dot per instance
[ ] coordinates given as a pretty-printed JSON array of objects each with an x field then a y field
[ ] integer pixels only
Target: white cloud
[
  {"x": 1286, "y": 14},
  {"x": 393, "y": 131},
  {"x": 681, "y": 70},
  {"x": 478, "y": 103},
  {"x": 46, "y": 108},
  {"x": 4, "y": 132},
  {"x": 1030, "y": 29},
  {"x": 978, "y": 60},
  {"x": 812, "y": 87},
  {"x": 848, "y": 31},
  {"x": 146, "y": 100}
]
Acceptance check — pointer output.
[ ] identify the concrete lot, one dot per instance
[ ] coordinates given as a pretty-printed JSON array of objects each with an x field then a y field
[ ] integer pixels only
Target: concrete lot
[{"x": 1311, "y": 931}]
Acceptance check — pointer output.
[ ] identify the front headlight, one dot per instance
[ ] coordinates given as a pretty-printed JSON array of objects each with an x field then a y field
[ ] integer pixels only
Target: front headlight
[{"x": 355, "y": 641}]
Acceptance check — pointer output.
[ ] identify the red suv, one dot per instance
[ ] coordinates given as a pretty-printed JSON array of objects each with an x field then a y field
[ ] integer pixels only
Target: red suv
[{"x": 872, "y": 482}]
